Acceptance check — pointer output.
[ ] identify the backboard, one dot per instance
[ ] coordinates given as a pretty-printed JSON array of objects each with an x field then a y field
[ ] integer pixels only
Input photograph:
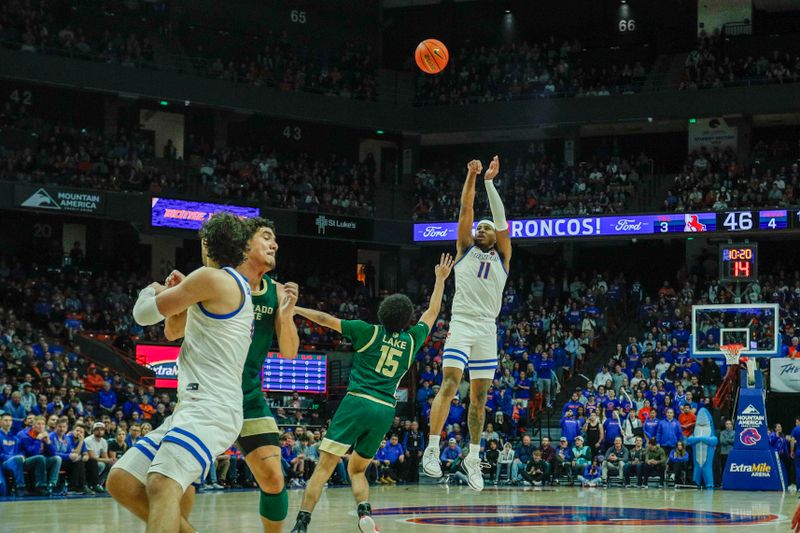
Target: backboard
[{"x": 756, "y": 326}]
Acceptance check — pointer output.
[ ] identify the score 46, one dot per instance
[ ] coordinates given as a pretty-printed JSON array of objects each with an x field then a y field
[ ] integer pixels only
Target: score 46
[{"x": 741, "y": 221}]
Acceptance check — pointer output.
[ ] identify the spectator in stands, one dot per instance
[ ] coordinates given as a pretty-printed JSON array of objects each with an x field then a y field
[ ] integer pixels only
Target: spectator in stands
[
  {"x": 414, "y": 445},
  {"x": 522, "y": 454},
  {"x": 18, "y": 413},
  {"x": 504, "y": 460},
  {"x": 98, "y": 450},
  {"x": 636, "y": 463},
  {"x": 536, "y": 471},
  {"x": 687, "y": 420},
  {"x": 450, "y": 454},
  {"x": 393, "y": 465},
  {"x": 655, "y": 461},
  {"x": 78, "y": 463},
  {"x": 570, "y": 427},
  {"x": 121, "y": 443},
  {"x": 293, "y": 464},
  {"x": 581, "y": 455},
  {"x": 669, "y": 432},
  {"x": 616, "y": 457},
  {"x": 594, "y": 432},
  {"x": 12, "y": 460},
  {"x": 591, "y": 474},
  {"x": 544, "y": 371},
  {"x": 679, "y": 463},
  {"x": 563, "y": 461},
  {"x": 631, "y": 428},
  {"x": 93, "y": 381},
  {"x": 727, "y": 437},
  {"x": 106, "y": 399},
  {"x": 40, "y": 456}
]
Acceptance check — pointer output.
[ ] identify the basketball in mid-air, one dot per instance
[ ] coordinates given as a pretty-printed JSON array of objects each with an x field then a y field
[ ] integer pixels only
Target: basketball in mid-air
[{"x": 432, "y": 56}]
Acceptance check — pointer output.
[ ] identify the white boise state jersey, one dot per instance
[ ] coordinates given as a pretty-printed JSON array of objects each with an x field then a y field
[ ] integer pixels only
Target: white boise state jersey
[
  {"x": 214, "y": 351},
  {"x": 480, "y": 280}
]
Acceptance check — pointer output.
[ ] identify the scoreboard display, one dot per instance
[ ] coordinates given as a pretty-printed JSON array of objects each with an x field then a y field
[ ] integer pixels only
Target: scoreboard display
[
  {"x": 633, "y": 225},
  {"x": 308, "y": 373},
  {"x": 738, "y": 262}
]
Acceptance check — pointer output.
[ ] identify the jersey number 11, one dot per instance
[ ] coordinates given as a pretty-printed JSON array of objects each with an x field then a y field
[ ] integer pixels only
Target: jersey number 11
[{"x": 483, "y": 270}]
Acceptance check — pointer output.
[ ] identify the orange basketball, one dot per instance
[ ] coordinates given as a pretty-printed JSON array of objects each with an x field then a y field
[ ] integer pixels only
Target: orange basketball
[{"x": 431, "y": 56}]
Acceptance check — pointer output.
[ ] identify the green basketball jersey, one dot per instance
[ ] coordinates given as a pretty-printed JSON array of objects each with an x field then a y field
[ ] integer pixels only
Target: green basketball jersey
[
  {"x": 265, "y": 304},
  {"x": 381, "y": 359}
]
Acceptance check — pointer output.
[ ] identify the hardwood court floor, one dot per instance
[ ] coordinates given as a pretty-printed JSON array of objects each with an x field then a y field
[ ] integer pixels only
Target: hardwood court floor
[{"x": 432, "y": 508}]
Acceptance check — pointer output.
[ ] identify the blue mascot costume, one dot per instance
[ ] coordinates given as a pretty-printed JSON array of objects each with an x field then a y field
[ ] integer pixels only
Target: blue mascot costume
[{"x": 704, "y": 443}]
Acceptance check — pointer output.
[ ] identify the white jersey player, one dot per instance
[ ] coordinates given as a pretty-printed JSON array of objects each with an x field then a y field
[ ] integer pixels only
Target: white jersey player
[
  {"x": 217, "y": 308},
  {"x": 482, "y": 264}
]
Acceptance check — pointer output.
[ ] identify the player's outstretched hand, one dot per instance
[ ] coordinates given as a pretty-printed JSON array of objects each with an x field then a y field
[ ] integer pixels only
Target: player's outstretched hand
[
  {"x": 174, "y": 278},
  {"x": 493, "y": 170},
  {"x": 796, "y": 520},
  {"x": 474, "y": 167},
  {"x": 444, "y": 267}
]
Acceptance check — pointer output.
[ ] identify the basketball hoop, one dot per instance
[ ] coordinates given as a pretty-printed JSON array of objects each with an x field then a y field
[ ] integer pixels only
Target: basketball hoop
[
  {"x": 733, "y": 359},
  {"x": 732, "y": 352}
]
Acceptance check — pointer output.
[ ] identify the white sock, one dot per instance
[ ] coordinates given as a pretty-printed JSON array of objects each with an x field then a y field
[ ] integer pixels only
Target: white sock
[
  {"x": 475, "y": 450},
  {"x": 434, "y": 441}
]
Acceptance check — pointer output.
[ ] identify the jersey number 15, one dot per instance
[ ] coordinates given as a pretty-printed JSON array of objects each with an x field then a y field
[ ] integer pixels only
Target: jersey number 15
[{"x": 387, "y": 365}]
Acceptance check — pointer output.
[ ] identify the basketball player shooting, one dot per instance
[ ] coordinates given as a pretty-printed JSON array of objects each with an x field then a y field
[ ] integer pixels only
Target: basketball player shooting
[{"x": 482, "y": 264}]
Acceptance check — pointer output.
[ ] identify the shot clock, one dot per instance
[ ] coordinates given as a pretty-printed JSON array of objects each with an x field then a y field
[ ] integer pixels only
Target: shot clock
[{"x": 738, "y": 262}]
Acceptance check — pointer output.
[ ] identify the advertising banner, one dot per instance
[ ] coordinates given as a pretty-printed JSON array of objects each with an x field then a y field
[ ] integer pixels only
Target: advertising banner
[
  {"x": 784, "y": 374},
  {"x": 59, "y": 199},
  {"x": 184, "y": 214},
  {"x": 752, "y": 465},
  {"x": 337, "y": 226},
  {"x": 712, "y": 133},
  {"x": 161, "y": 359}
]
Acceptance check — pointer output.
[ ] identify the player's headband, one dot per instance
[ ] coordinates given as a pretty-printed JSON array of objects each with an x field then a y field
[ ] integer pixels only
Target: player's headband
[{"x": 488, "y": 222}]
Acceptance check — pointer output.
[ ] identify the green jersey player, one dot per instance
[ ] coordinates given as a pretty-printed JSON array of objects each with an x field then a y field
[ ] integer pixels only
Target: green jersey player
[
  {"x": 384, "y": 353},
  {"x": 273, "y": 306}
]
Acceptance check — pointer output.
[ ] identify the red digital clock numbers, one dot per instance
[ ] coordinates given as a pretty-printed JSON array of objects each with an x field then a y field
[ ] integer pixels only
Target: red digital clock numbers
[
  {"x": 738, "y": 262},
  {"x": 741, "y": 269}
]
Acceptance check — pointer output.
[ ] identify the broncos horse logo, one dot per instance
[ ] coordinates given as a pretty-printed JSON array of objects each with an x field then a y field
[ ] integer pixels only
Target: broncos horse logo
[
  {"x": 692, "y": 224},
  {"x": 750, "y": 436}
]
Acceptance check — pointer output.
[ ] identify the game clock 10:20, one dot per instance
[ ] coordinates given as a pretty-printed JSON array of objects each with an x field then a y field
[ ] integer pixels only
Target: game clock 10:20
[{"x": 738, "y": 262}]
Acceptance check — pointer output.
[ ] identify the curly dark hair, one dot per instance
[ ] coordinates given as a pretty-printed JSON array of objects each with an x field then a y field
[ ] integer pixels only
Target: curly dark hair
[
  {"x": 227, "y": 239},
  {"x": 256, "y": 223},
  {"x": 395, "y": 312}
]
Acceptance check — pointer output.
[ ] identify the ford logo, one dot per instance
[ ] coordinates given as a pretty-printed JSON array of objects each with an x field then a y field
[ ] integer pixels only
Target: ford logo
[
  {"x": 435, "y": 231},
  {"x": 625, "y": 224}
]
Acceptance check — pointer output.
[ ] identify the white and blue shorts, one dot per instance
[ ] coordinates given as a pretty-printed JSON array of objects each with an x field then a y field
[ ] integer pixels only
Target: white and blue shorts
[
  {"x": 471, "y": 344},
  {"x": 185, "y": 445}
]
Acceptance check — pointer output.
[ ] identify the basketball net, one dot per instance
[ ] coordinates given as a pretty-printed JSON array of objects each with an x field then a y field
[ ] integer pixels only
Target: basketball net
[{"x": 732, "y": 358}]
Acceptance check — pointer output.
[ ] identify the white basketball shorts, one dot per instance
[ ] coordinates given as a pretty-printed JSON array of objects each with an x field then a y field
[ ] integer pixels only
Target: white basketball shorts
[
  {"x": 472, "y": 344},
  {"x": 185, "y": 445}
]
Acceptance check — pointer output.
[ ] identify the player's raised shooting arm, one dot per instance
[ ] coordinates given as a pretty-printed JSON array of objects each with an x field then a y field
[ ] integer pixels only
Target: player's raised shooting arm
[
  {"x": 285, "y": 329},
  {"x": 319, "y": 317},
  {"x": 498, "y": 211},
  {"x": 157, "y": 302},
  {"x": 442, "y": 270},
  {"x": 466, "y": 216}
]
